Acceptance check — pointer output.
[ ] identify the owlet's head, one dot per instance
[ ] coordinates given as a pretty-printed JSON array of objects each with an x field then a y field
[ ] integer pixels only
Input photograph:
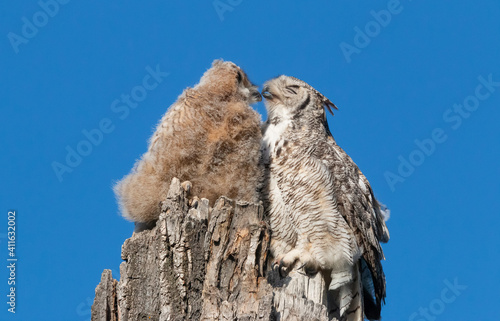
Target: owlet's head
[
  {"x": 225, "y": 79},
  {"x": 290, "y": 98}
]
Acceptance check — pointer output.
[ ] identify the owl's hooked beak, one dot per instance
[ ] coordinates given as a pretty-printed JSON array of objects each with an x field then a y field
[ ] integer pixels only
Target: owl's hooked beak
[
  {"x": 266, "y": 93},
  {"x": 256, "y": 95}
]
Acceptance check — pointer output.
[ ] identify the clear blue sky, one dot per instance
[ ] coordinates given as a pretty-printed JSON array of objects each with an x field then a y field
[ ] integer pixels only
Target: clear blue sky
[{"x": 418, "y": 91}]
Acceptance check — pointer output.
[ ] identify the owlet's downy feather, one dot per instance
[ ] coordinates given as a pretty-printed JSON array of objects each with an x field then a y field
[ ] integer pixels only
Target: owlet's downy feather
[
  {"x": 209, "y": 136},
  {"x": 322, "y": 211}
]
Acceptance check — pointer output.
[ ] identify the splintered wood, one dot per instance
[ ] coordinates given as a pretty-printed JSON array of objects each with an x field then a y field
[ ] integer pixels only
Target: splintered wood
[{"x": 203, "y": 263}]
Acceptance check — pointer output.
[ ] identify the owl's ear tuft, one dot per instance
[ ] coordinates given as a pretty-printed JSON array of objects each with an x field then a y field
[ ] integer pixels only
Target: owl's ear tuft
[{"x": 329, "y": 105}]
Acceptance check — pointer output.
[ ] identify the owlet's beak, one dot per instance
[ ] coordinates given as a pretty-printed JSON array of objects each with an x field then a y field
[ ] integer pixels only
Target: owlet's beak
[{"x": 255, "y": 95}]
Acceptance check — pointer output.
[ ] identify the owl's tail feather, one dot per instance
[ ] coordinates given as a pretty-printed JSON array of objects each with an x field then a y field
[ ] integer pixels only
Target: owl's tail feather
[
  {"x": 383, "y": 215},
  {"x": 372, "y": 308},
  {"x": 139, "y": 196},
  {"x": 346, "y": 302}
]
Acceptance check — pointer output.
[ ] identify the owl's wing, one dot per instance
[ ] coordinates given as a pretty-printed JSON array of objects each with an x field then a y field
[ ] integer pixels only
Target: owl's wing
[
  {"x": 174, "y": 120},
  {"x": 364, "y": 215}
]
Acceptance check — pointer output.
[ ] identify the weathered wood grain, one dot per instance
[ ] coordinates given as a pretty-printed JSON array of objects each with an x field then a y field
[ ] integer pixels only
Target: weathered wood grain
[{"x": 202, "y": 263}]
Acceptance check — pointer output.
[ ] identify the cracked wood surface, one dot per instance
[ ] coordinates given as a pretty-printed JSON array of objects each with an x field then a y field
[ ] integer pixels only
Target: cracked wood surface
[{"x": 203, "y": 263}]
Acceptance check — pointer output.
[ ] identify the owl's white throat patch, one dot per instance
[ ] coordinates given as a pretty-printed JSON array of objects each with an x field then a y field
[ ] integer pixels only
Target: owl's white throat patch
[{"x": 273, "y": 137}]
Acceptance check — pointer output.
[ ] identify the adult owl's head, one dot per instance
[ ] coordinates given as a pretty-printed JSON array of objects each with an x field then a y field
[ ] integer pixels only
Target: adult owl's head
[
  {"x": 290, "y": 98},
  {"x": 226, "y": 80}
]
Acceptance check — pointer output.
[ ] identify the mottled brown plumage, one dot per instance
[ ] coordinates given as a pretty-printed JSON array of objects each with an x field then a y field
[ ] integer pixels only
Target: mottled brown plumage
[
  {"x": 209, "y": 136},
  {"x": 321, "y": 208}
]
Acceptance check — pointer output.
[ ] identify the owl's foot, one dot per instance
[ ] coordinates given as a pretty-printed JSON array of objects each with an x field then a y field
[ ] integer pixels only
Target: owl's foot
[
  {"x": 280, "y": 268},
  {"x": 193, "y": 202},
  {"x": 284, "y": 263},
  {"x": 187, "y": 187}
]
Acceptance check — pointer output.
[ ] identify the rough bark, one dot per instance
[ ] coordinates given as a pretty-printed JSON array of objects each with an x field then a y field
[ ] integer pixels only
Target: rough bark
[
  {"x": 202, "y": 263},
  {"x": 104, "y": 307}
]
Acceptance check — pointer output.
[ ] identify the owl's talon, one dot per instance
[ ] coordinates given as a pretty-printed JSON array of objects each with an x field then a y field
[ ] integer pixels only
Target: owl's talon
[
  {"x": 302, "y": 266},
  {"x": 194, "y": 202},
  {"x": 278, "y": 266},
  {"x": 186, "y": 186},
  {"x": 283, "y": 270}
]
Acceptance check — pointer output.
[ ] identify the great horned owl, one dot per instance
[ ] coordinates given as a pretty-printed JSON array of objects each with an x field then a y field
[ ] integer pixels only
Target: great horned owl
[
  {"x": 321, "y": 208},
  {"x": 209, "y": 136}
]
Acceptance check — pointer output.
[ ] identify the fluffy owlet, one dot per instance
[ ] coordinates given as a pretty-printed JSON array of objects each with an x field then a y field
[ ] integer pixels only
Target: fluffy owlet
[
  {"x": 209, "y": 136},
  {"x": 321, "y": 208}
]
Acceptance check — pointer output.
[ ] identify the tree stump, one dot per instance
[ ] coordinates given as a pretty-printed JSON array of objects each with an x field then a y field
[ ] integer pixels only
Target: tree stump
[{"x": 203, "y": 263}]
